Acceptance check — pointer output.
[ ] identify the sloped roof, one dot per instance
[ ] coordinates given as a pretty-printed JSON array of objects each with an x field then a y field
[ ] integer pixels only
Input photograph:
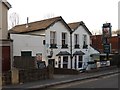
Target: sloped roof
[
  {"x": 75, "y": 25},
  {"x": 63, "y": 53},
  {"x": 38, "y": 25},
  {"x": 6, "y": 4},
  {"x": 78, "y": 53}
]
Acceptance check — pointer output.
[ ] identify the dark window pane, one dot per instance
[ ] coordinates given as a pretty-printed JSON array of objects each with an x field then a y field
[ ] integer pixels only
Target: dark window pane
[{"x": 26, "y": 53}]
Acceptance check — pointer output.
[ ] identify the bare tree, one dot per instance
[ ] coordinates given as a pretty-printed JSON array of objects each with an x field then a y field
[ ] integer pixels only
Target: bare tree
[
  {"x": 14, "y": 19},
  {"x": 116, "y": 32}
]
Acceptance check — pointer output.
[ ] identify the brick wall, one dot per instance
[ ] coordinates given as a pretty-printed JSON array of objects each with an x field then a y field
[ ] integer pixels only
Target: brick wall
[
  {"x": 65, "y": 71},
  {"x": 29, "y": 75},
  {"x": 24, "y": 62},
  {"x": 6, "y": 78}
]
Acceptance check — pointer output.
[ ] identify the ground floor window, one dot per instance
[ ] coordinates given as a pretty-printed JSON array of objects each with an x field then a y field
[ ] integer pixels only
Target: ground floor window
[
  {"x": 51, "y": 62},
  {"x": 79, "y": 61},
  {"x": 75, "y": 62},
  {"x": 65, "y": 61},
  {"x": 59, "y": 62}
]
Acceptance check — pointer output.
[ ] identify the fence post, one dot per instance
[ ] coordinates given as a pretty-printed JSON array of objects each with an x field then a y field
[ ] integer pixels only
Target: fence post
[{"x": 15, "y": 76}]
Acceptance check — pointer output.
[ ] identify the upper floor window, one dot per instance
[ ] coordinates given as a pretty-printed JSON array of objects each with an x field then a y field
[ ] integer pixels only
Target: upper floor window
[
  {"x": 85, "y": 41},
  {"x": 53, "y": 39},
  {"x": 64, "y": 40},
  {"x": 76, "y": 40}
]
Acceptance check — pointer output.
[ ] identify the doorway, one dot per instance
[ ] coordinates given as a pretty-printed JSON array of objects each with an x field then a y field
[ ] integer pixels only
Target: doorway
[
  {"x": 51, "y": 62},
  {"x": 6, "y": 58},
  {"x": 80, "y": 61}
]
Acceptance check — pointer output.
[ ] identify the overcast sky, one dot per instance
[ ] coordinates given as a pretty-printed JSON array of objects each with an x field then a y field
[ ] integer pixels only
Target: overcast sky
[{"x": 93, "y": 12}]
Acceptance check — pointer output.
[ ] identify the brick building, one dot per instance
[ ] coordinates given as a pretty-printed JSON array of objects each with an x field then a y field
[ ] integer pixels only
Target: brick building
[{"x": 96, "y": 42}]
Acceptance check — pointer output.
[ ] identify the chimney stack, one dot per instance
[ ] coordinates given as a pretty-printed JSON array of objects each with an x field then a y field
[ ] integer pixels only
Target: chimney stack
[{"x": 27, "y": 23}]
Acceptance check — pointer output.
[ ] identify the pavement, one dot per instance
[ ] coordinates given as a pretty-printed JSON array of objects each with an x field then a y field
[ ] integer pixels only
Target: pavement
[{"x": 62, "y": 79}]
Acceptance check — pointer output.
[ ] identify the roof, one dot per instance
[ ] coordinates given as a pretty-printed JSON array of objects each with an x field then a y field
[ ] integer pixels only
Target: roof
[
  {"x": 6, "y": 3},
  {"x": 75, "y": 25},
  {"x": 38, "y": 25},
  {"x": 78, "y": 53},
  {"x": 63, "y": 53}
]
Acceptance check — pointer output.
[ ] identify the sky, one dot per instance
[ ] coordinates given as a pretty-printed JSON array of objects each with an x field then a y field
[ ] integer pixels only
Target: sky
[{"x": 92, "y": 12}]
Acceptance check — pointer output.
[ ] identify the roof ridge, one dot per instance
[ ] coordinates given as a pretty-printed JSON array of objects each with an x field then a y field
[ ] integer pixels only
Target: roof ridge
[{"x": 38, "y": 21}]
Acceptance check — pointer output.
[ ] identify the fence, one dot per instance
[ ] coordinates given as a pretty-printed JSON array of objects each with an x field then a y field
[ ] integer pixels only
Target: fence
[
  {"x": 35, "y": 74},
  {"x": 24, "y": 62}
]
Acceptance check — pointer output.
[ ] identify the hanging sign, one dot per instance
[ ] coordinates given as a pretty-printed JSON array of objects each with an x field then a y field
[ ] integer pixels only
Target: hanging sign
[{"x": 39, "y": 56}]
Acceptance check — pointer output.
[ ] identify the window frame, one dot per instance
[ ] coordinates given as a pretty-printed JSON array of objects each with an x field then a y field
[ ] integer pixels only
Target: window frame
[
  {"x": 26, "y": 53},
  {"x": 52, "y": 37},
  {"x": 76, "y": 39},
  {"x": 84, "y": 39},
  {"x": 64, "y": 38}
]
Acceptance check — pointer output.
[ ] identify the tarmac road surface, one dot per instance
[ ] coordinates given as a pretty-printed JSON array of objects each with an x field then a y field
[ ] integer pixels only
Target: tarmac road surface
[{"x": 110, "y": 81}]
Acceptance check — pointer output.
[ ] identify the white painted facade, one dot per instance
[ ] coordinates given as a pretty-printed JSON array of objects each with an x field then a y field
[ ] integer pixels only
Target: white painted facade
[
  {"x": 31, "y": 42},
  {"x": 59, "y": 28},
  {"x": 87, "y": 51},
  {"x": 22, "y": 42},
  {"x": 34, "y": 42}
]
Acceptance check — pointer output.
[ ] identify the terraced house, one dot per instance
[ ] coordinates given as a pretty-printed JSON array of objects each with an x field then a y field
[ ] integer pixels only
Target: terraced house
[{"x": 60, "y": 44}]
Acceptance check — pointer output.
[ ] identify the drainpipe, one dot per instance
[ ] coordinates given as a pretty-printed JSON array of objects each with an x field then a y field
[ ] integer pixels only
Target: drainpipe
[
  {"x": 118, "y": 43},
  {"x": 71, "y": 56}
]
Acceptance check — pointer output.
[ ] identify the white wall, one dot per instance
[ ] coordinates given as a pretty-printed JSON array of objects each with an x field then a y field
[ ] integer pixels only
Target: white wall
[
  {"x": 81, "y": 31},
  {"x": 59, "y": 28},
  {"x": 28, "y": 43}
]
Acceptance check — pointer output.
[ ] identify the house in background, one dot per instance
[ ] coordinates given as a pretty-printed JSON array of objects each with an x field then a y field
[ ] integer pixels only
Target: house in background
[
  {"x": 52, "y": 40},
  {"x": 114, "y": 41},
  {"x": 81, "y": 48},
  {"x": 62, "y": 45},
  {"x": 97, "y": 42},
  {"x": 5, "y": 43}
]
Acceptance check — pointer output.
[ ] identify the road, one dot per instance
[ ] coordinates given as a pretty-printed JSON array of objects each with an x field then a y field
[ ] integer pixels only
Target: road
[{"x": 110, "y": 81}]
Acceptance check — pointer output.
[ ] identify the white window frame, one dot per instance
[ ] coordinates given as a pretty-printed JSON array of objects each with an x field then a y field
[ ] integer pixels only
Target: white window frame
[
  {"x": 84, "y": 39},
  {"x": 76, "y": 39},
  {"x": 64, "y": 39},
  {"x": 52, "y": 37}
]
